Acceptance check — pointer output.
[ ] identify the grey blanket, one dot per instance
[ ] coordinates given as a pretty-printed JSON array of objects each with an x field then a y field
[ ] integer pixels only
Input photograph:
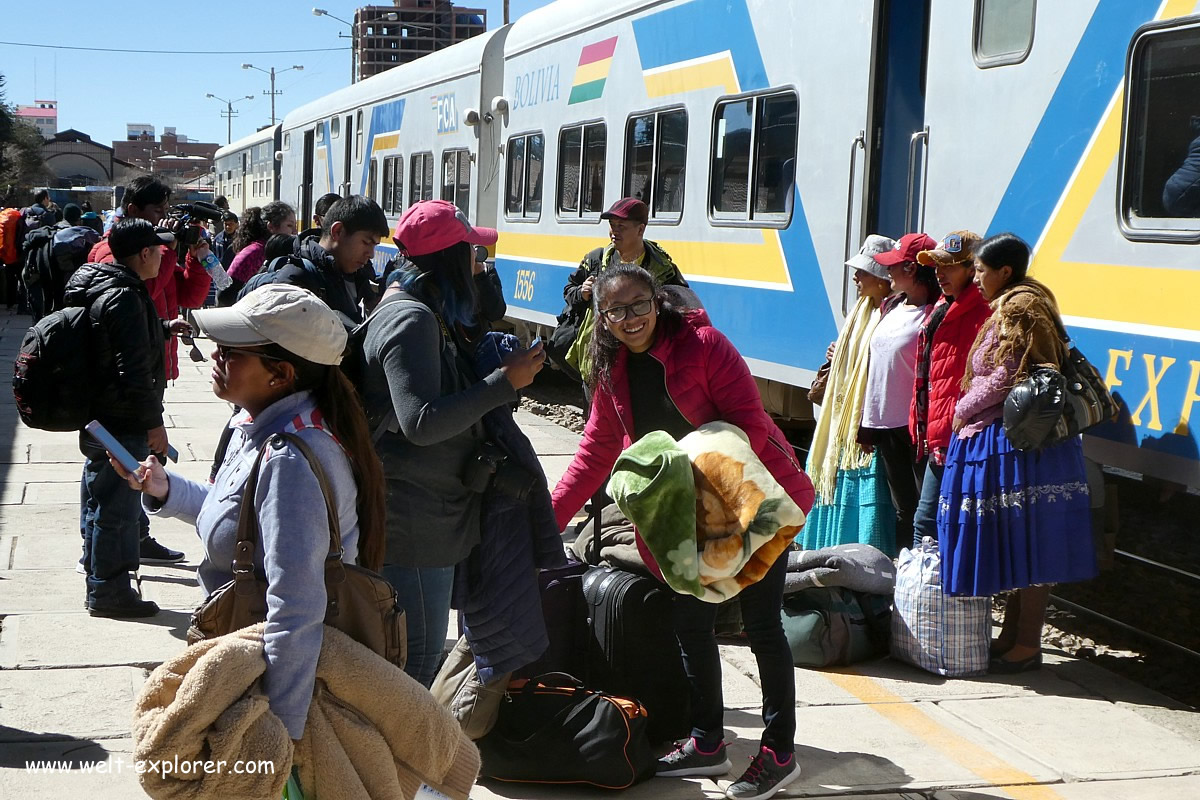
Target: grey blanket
[{"x": 855, "y": 566}]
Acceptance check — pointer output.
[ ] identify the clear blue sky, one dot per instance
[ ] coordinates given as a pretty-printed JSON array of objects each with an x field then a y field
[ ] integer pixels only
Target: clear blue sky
[{"x": 98, "y": 93}]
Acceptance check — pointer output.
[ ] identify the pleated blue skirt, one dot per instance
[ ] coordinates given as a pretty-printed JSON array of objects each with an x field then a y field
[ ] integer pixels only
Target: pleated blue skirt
[
  {"x": 861, "y": 513},
  {"x": 1010, "y": 518}
]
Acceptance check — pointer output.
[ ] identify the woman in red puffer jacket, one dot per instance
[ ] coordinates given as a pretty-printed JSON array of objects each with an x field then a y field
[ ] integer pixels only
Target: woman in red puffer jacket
[{"x": 657, "y": 368}]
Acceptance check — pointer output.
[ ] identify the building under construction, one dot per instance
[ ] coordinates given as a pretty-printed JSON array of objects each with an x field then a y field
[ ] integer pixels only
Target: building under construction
[{"x": 389, "y": 35}]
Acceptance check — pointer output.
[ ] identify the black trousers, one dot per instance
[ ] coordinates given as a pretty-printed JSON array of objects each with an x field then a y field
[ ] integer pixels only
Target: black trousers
[{"x": 897, "y": 454}]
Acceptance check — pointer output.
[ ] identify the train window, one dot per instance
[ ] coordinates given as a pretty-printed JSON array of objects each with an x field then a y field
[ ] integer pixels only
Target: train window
[
  {"x": 335, "y": 127},
  {"x": 421, "y": 178},
  {"x": 320, "y": 135},
  {"x": 526, "y": 157},
  {"x": 397, "y": 196},
  {"x": 372, "y": 177},
  {"x": 358, "y": 137},
  {"x": 287, "y": 141},
  {"x": 754, "y": 159},
  {"x": 1003, "y": 31},
  {"x": 1160, "y": 159},
  {"x": 655, "y": 157},
  {"x": 456, "y": 178},
  {"x": 386, "y": 198},
  {"x": 581, "y": 157}
]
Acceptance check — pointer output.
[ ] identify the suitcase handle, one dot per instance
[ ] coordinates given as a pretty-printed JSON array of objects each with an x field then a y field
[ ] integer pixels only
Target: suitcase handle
[{"x": 550, "y": 680}]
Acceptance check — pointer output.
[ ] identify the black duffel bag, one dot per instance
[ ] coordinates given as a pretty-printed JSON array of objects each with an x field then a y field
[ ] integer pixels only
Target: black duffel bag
[{"x": 554, "y": 730}]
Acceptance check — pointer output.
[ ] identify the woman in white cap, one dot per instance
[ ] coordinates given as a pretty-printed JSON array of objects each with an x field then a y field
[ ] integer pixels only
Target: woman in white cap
[
  {"x": 276, "y": 358},
  {"x": 420, "y": 380},
  {"x": 852, "y": 500}
]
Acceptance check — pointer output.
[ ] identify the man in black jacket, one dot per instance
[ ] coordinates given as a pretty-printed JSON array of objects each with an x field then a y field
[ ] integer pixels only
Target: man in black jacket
[
  {"x": 127, "y": 383},
  {"x": 340, "y": 272}
]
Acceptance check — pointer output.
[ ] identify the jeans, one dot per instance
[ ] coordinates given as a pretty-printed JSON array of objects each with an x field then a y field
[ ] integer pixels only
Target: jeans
[
  {"x": 898, "y": 456},
  {"x": 424, "y": 594},
  {"x": 110, "y": 520},
  {"x": 693, "y": 620},
  {"x": 925, "y": 520}
]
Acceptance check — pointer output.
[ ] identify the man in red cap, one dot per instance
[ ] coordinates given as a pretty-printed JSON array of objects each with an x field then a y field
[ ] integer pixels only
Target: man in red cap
[{"x": 627, "y": 220}]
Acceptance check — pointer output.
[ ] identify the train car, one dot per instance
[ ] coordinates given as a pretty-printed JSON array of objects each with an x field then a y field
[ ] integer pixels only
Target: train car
[
  {"x": 415, "y": 132},
  {"x": 769, "y": 138},
  {"x": 247, "y": 171}
]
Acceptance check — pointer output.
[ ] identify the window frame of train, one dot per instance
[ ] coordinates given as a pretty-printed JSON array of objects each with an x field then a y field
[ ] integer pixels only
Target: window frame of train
[
  {"x": 335, "y": 127},
  {"x": 417, "y": 188},
  {"x": 994, "y": 12},
  {"x": 1147, "y": 121},
  {"x": 657, "y": 216},
  {"x": 373, "y": 180},
  {"x": 579, "y": 214},
  {"x": 358, "y": 137},
  {"x": 391, "y": 198},
  {"x": 459, "y": 190},
  {"x": 523, "y": 214},
  {"x": 750, "y": 217}
]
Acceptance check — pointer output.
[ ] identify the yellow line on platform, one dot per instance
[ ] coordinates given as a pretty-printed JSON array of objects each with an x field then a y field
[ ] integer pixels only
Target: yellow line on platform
[{"x": 906, "y": 715}]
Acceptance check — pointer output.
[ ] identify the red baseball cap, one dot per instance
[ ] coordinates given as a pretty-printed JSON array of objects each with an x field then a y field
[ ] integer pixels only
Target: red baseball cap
[
  {"x": 433, "y": 225},
  {"x": 629, "y": 208},
  {"x": 906, "y": 249}
]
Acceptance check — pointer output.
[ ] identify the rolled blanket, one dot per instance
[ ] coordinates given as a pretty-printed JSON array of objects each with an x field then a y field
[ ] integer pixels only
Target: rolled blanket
[
  {"x": 706, "y": 507},
  {"x": 855, "y": 566}
]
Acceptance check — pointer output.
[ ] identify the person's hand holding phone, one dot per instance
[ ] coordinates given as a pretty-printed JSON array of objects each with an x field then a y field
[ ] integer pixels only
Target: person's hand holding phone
[
  {"x": 522, "y": 365},
  {"x": 150, "y": 477},
  {"x": 157, "y": 439}
]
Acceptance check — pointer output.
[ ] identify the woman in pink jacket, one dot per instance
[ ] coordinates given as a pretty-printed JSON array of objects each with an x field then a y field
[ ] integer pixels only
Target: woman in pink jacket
[{"x": 656, "y": 367}]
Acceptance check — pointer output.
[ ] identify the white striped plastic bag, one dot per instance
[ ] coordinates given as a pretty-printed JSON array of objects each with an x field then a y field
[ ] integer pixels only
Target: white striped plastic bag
[{"x": 940, "y": 634}]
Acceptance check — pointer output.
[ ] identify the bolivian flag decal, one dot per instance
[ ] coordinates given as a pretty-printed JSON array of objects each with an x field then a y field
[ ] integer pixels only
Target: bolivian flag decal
[{"x": 594, "y": 63}]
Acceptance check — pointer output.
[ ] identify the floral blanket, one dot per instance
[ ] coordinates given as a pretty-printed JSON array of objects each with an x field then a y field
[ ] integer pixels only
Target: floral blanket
[{"x": 708, "y": 510}]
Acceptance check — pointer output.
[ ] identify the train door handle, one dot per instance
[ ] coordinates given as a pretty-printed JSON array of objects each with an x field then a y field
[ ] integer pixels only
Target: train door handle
[
  {"x": 919, "y": 137},
  {"x": 859, "y": 143}
]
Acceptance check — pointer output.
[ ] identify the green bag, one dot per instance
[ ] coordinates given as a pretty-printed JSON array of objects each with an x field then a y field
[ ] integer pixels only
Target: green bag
[
  {"x": 828, "y": 626},
  {"x": 291, "y": 789}
]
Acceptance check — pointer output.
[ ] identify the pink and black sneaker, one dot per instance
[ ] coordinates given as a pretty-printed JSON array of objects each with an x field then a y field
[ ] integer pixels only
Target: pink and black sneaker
[{"x": 765, "y": 776}]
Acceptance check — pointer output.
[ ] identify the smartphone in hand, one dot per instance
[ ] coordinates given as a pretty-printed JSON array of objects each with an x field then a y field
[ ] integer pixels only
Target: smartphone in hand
[
  {"x": 536, "y": 341},
  {"x": 115, "y": 448}
]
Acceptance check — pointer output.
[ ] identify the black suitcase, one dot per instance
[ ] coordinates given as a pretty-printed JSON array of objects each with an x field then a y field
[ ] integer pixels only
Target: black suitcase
[{"x": 632, "y": 650}]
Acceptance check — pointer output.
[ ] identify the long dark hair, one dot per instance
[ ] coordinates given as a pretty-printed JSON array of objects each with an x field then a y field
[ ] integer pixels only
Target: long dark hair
[
  {"x": 339, "y": 403},
  {"x": 444, "y": 280},
  {"x": 1005, "y": 250},
  {"x": 254, "y": 223},
  {"x": 603, "y": 348}
]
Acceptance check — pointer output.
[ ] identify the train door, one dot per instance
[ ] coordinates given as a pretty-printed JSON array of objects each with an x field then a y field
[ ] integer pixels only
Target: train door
[
  {"x": 305, "y": 190},
  {"x": 348, "y": 148},
  {"x": 899, "y": 140}
]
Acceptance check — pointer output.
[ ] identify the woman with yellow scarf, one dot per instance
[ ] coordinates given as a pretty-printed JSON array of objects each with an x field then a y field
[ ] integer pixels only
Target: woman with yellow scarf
[{"x": 852, "y": 495}]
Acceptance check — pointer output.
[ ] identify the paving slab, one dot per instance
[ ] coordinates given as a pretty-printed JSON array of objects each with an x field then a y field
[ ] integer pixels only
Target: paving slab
[
  {"x": 1142, "y": 789},
  {"x": 21, "y": 551},
  {"x": 40, "y": 591},
  {"x": 554, "y": 467},
  {"x": 42, "y": 493},
  {"x": 555, "y": 441},
  {"x": 1084, "y": 738},
  {"x": 13, "y": 452},
  {"x": 70, "y": 703},
  {"x": 74, "y": 639},
  {"x": 98, "y": 770},
  {"x": 40, "y": 520}
]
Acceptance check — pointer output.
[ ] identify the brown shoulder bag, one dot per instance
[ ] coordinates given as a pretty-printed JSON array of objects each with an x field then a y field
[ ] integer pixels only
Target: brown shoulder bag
[{"x": 360, "y": 602}]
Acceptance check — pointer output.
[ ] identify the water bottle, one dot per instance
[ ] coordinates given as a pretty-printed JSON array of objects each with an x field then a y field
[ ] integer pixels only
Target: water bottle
[{"x": 220, "y": 277}]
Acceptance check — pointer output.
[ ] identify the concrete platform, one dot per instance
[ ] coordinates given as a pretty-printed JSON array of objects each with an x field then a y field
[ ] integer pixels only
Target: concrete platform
[{"x": 880, "y": 730}]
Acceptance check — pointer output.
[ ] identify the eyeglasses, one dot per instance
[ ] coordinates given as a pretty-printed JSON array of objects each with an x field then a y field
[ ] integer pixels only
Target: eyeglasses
[
  {"x": 223, "y": 352},
  {"x": 639, "y": 308},
  {"x": 195, "y": 353}
]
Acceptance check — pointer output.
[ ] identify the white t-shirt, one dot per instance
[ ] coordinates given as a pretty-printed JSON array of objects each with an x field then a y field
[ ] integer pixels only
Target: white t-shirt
[{"x": 893, "y": 367}]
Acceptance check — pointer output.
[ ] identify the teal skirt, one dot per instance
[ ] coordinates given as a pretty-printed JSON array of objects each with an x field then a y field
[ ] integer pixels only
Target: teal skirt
[{"x": 861, "y": 513}]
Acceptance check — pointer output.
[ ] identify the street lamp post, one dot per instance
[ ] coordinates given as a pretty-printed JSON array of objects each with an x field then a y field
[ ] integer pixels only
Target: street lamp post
[
  {"x": 390, "y": 16},
  {"x": 273, "y": 73},
  {"x": 229, "y": 113}
]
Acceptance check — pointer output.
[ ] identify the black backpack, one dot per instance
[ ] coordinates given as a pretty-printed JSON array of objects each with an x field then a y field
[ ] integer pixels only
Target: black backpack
[
  {"x": 53, "y": 360},
  {"x": 266, "y": 274},
  {"x": 35, "y": 268}
]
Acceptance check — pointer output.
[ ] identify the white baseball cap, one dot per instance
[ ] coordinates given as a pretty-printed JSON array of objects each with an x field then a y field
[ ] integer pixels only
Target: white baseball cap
[
  {"x": 865, "y": 258},
  {"x": 293, "y": 318}
]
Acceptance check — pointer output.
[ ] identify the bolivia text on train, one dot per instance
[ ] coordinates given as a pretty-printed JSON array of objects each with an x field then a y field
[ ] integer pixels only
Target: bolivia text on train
[{"x": 162, "y": 767}]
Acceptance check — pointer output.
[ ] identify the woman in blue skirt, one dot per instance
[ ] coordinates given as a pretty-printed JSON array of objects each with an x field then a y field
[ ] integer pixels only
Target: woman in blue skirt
[{"x": 1008, "y": 518}]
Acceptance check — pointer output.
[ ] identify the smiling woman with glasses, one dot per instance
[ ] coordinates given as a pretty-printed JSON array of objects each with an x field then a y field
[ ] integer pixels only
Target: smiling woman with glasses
[{"x": 658, "y": 367}]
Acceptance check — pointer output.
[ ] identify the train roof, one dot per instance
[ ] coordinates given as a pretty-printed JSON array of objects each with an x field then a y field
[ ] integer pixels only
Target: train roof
[
  {"x": 258, "y": 137},
  {"x": 562, "y": 19},
  {"x": 437, "y": 67}
]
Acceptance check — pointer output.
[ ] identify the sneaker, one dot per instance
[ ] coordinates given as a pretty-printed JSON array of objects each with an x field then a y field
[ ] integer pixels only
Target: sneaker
[
  {"x": 688, "y": 760},
  {"x": 126, "y": 605},
  {"x": 80, "y": 568},
  {"x": 764, "y": 777},
  {"x": 151, "y": 552}
]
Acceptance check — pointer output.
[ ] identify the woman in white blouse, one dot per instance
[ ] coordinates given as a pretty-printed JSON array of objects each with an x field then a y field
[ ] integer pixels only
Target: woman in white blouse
[{"x": 890, "y": 375}]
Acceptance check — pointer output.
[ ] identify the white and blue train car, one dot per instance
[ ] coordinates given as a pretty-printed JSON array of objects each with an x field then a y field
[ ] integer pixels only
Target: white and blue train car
[
  {"x": 769, "y": 137},
  {"x": 411, "y": 133},
  {"x": 247, "y": 171}
]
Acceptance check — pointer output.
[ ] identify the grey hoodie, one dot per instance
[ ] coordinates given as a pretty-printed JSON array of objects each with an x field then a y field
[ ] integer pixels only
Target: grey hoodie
[{"x": 294, "y": 541}]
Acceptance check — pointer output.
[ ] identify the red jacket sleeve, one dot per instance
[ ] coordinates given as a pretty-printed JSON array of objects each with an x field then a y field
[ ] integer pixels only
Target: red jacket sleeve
[
  {"x": 192, "y": 283},
  {"x": 593, "y": 461},
  {"x": 733, "y": 389}
]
